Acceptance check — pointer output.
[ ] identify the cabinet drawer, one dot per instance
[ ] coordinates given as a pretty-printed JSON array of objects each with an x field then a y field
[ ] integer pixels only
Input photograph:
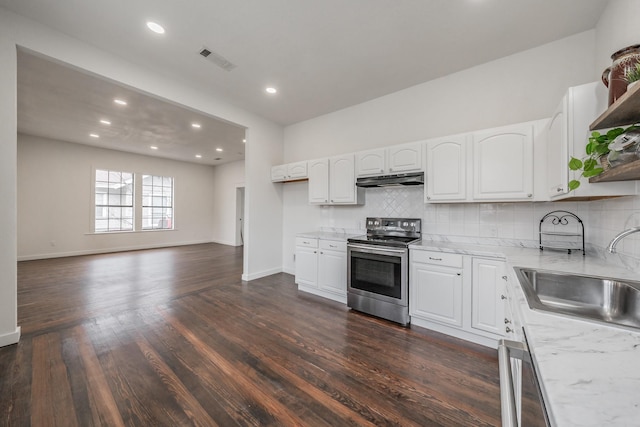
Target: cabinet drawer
[
  {"x": 333, "y": 245},
  {"x": 437, "y": 258},
  {"x": 306, "y": 242}
]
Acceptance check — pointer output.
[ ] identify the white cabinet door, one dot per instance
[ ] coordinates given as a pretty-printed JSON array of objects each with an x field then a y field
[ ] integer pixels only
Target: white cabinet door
[
  {"x": 557, "y": 152},
  {"x": 332, "y": 271},
  {"x": 503, "y": 163},
  {"x": 297, "y": 170},
  {"x": 279, "y": 173},
  {"x": 306, "y": 266},
  {"x": 436, "y": 293},
  {"x": 446, "y": 169},
  {"x": 319, "y": 181},
  {"x": 405, "y": 157},
  {"x": 342, "y": 182},
  {"x": 371, "y": 162},
  {"x": 487, "y": 287}
]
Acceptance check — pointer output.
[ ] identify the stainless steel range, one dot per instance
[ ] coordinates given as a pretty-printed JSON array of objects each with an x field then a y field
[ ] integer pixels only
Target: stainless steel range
[{"x": 378, "y": 268}]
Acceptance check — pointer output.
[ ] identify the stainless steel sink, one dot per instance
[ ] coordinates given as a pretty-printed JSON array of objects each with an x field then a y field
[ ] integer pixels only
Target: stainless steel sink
[{"x": 588, "y": 297}]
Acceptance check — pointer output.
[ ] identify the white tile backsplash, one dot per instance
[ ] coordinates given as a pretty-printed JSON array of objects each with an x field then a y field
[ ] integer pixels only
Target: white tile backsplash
[{"x": 603, "y": 219}]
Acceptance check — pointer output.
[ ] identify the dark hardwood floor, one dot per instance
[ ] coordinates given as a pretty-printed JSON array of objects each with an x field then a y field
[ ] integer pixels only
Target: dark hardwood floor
[{"x": 172, "y": 337}]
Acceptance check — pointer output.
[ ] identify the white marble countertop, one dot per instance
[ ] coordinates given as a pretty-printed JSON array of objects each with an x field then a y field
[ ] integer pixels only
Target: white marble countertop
[
  {"x": 589, "y": 372},
  {"x": 338, "y": 236}
]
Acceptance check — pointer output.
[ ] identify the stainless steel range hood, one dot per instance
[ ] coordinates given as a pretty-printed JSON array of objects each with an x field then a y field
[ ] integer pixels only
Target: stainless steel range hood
[{"x": 416, "y": 178}]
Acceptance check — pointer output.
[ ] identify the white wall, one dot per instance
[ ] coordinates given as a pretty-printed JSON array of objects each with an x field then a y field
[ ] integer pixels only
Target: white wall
[
  {"x": 226, "y": 179},
  {"x": 518, "y": 88},
  {"x": 262, "y": 247},
  {"x": 9, "y": 331},
  {"x": 521, "y": 87},
  {"x": 55, "y": 186}
]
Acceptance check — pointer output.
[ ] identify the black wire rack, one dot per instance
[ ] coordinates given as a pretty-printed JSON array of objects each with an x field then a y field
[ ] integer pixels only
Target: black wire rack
[{"x": 552, "y": 236}]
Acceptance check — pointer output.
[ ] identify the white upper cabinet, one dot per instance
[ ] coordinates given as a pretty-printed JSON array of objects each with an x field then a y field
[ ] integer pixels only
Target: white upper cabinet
[
  {"x": 405, "y": 157},
  {"x": 319, "y": 181},
  {"x": 557, "y": 156},
  {"x": 446, "y": 169},
  {"x": 332, "y": 181},
  {"x": 567, "y": 136},
  {"x": 289, "y": 172},
  {"x": 503, "y": 163},
  {"x": 342, "y": 180},
  {"x": 297, "y": 170},
  {"x": 279, "y": 173},
  {"x": 391, "y": 160},
  {"x": 371, "y": 162}
]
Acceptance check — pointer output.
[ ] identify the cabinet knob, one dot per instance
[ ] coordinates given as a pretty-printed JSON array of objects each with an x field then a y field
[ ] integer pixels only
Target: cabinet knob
[
  {"x": 390, "y": 169},
  {"x": 506, "y": 321},
  {"x": 315, "y": 252},
  {"x": 321, "y": 253},
  {"x": 559, "y": 189},
  {"x": 504, "y": 277},
  {"x": 503, "y": 297},
  {"x": 508, "y": 329},
  {"x": 435, "y": 259},
  {"x": 381, "y": 170},
  {"x": 529, "y": 195},
  {"x": 428, "y": 197}
]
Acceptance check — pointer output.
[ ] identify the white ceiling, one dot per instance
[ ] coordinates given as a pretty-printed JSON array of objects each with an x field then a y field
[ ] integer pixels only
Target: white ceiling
[
  {"x": 322, "y": 55},
  {"x": 59, "y": 102}
]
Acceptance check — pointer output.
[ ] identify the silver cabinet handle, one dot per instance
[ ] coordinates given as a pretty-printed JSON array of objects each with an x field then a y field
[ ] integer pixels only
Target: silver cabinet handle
[
  {"x": 559, "y": 189},
  {"x": 506, "y": 321},
  {"x": 435, "y": 259},
  {"x": 508, "y": 329},
  {"x": 428, "y": 197},
  {"x": 315, "y": 252},
  {"x": 503, "y": 297},
  {"x": 504, "y": 277},
  {"x": 332, "y": 246},
  {"x": 529, "y": 195}
]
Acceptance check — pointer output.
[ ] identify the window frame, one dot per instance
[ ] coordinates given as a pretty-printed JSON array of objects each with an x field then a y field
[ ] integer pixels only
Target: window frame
[
  {"x": 167, "y": 221},
  {"x": 108, "y": 205}
]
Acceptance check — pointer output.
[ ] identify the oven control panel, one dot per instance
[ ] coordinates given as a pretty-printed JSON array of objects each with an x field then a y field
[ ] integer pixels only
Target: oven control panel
[{"x": 408, "y": 225}]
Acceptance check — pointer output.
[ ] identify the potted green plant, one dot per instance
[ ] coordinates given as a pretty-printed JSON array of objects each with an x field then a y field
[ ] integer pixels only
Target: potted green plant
[
  {"x": 632, "y": 75},
  {"x": 597, "y": 148}
]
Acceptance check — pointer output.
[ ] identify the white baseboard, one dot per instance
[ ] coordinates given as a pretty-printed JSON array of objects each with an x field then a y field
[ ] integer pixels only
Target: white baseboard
[
  {"x": 454, "y": 332},
  {"x": 108, "y": 250},
  {"x": 291, "y": 271},
  {"x": 258, "y": 275},
  {"x": 225, "y": 242},
  {"x": 10, "y": 338}
]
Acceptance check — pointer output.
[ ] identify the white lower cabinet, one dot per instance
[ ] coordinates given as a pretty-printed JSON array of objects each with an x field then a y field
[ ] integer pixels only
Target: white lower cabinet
[
  {"x": 487, "y": 288},
  {"x": 436, "y": 288},
  {"x": 459, "y": 295},
  {"x": 321, "y": 267}
]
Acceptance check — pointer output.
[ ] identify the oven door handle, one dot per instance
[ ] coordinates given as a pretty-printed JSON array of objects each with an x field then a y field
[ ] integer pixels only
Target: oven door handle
[
  {"x": 376, "y": 249},
  {"x": 506, "y": 350}
]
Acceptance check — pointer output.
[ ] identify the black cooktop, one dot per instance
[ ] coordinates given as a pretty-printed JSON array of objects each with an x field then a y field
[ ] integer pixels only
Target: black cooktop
[
  {"x": 395, "y": 241},
  {"x": 395, "y": 232}
]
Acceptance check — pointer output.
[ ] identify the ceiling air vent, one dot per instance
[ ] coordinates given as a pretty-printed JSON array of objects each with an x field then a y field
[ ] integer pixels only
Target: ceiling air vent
[{"x": 219, "y": 60}]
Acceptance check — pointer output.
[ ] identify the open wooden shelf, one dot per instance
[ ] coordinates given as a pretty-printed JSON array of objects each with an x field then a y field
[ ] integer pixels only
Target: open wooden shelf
[
  {"x": 626, "y": 172},
  {"x": 625, "y": 111}
]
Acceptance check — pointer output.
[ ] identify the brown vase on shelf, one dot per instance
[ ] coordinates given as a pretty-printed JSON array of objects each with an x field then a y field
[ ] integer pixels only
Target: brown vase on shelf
[{"x": 614, "y": 77}]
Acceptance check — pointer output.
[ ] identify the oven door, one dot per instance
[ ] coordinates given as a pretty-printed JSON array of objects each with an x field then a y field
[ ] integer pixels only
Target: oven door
[
  {"x": 378, "y": 272},
  {"x": 520, "y": 395}
]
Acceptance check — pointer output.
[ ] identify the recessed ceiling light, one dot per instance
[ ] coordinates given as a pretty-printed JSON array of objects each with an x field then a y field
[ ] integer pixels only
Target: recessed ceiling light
[
  {"x": 196, "y": 125},
  {"x": 244, "y": 140},
  {"x": 271, "y": 90},
  {"x": 155, "y": 27},
  {"x": 94, "y": 135},
  {"x": 198, "y": 156},
  {"x": 105, "y": 122},
  {"x": 153, "y": 147},
  {"x": 120, "y": 101},
  {"x": 218, "y": 149}
]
